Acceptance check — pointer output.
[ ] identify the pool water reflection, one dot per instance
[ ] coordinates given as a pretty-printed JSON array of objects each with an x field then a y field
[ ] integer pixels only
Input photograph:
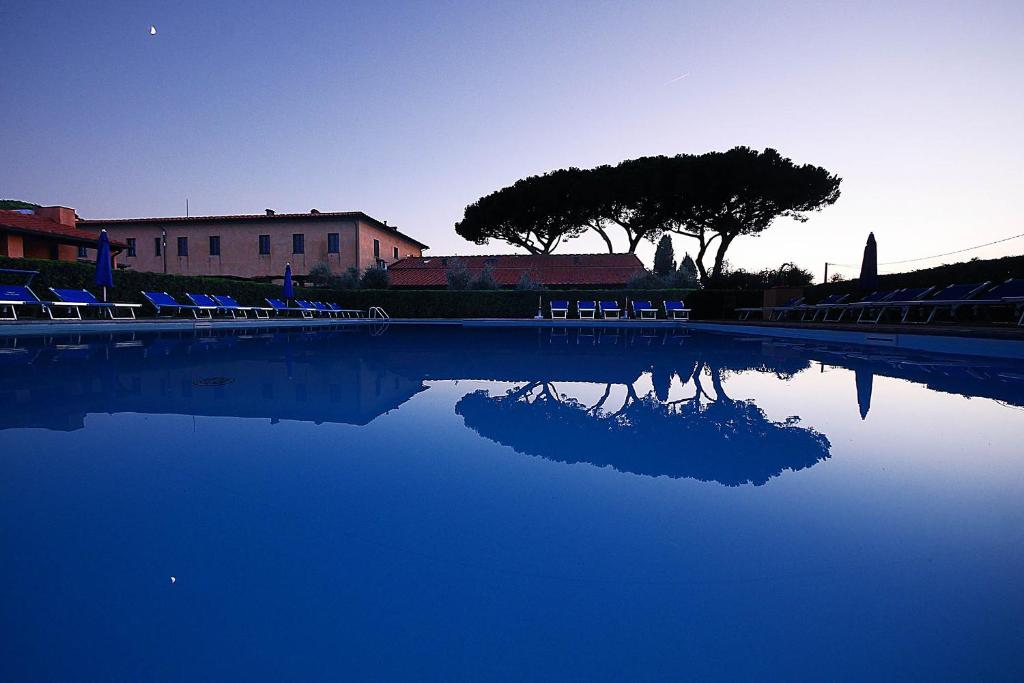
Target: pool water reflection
[{"x": 443, "y": 503}]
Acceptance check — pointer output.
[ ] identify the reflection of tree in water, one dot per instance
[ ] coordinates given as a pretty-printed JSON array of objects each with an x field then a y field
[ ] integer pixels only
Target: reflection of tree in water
[{"x": 707, "y": 435}]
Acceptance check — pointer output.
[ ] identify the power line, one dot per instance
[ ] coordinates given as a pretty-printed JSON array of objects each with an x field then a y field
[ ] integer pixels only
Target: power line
[
  {"x": 950, "y": 253},
  {"x": 925, "y": 258}
]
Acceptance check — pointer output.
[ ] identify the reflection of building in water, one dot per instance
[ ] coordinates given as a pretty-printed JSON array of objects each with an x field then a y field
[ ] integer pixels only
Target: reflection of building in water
[{"x": 277, "y": 377}]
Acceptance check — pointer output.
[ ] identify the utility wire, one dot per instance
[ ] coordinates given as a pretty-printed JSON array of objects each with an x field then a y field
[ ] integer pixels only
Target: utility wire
[{"x": 925, "y": 258}]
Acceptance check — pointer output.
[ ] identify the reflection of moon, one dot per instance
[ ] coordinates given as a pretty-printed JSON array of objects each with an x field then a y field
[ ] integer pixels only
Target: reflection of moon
[
  {"x": 152, "y": 30},
  {"x": 173, "y": 579}
]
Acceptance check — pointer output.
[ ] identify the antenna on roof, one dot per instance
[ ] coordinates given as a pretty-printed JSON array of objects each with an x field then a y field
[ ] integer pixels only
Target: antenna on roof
[{"x": 186, "y": 207}]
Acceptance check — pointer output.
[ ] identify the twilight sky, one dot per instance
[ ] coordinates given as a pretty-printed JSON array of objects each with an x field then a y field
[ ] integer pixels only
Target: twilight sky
[{"x": 410, "y": 111}]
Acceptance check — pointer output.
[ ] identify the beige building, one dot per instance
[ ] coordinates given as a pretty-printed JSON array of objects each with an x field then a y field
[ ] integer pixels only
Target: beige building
[{"x": 257, "y": 246}]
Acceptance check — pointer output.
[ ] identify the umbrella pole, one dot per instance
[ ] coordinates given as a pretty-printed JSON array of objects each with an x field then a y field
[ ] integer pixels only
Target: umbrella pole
[{"x": 104, "y": 293}]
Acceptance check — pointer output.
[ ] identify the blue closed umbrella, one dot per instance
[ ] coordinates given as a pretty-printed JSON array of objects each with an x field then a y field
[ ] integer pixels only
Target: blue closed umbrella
[
  {"x": 869, "y": 266},
  {"x": 104, "y": 272},
  {"x": 289, "y": 290}
]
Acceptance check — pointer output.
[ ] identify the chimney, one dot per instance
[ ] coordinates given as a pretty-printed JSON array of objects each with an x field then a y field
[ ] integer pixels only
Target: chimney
[
  {"x": 270, "y": 212},
  {"x": 58, "y": 214},
  {"x": 314, "y": 211}
]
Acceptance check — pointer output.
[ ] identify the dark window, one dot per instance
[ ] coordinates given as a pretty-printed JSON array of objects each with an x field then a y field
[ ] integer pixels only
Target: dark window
[
  {"x": 395, "y": 250},
  {"x": 376, "y": 249},
  {"x": 333, "y": 243},
  {"x": 156, "y": 246},
  {"x": 82, "y": 253},
  {"x": 131, "y": 246},
  {"x": 214, "y": 245},
  {"x": 264, "y": 245},
  {"x": 298, "y": 243},
  {"x": 182, "y": 246}
]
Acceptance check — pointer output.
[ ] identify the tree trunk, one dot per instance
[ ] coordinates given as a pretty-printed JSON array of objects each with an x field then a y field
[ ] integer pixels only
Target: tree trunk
[
  {"x": 604, "y": 235},
  {"x": 704, "y": 244},
  {"x": 720, "y": 256}
]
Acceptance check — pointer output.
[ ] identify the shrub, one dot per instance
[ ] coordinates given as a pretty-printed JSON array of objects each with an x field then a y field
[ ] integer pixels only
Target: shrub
[
  {"x": 528, "y": 284},
  {"x": 320, "y": 274},
  {"x": 457, "y": 274},
  {"x": 375, "y": 278},
  {"x": 485, "y": 280}
]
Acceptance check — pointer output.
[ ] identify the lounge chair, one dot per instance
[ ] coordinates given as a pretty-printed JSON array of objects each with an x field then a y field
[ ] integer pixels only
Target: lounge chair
[
  {"x": 324, "y": 309},
  {"x": 281, "y": 308},
  {"x": 559, "y": 309},
  {"x": 1009, "y": 293},
  {"x": 309, "y": 306},
  {"x": 902, "y": 299},
  {"x": 610, "y": 310},
  {"x": 346, "y": 312},
  {"x": 208, "y": 302},
  {"x": 946, "y": 299},
  {"x": 826, "y": 305},
  {"x": 643, "y": 310},
  {"x": 230, "y": 304},
  {"x": 676, "y": 310},
  {"x": 12, "y": 296},
  {"x": 77, "y": 299},
  {"x": 586, "y": 309},
  {"x": 863, "y": 303},
  {"x": 163, "y": 300},
  {"x": 772, "y": 312}
]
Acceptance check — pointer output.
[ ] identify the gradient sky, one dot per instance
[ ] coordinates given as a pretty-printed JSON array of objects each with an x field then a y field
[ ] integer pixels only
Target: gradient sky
[{"x": 410, "y": 111}]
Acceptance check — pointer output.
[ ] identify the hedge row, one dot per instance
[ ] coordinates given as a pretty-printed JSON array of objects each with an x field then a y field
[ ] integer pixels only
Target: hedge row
[{"x": 129, "y": 284}]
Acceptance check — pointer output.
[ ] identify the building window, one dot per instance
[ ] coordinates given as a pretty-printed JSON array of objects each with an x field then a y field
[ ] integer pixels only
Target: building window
[
  {"x": 182, "y": 246},
  {"x": 376, "y": 250},
  {"x": 82, "y": 253},
  {"x": 333, "y": 243},
  {"x": 395, "y": 251},
  {"x": 264, "y": 245},
  {"x": 131, "y": 246},
  {"x": 298, "y": 243},
  {"x": 214, "y": 245},
  {"x": 157, "y": 250}
]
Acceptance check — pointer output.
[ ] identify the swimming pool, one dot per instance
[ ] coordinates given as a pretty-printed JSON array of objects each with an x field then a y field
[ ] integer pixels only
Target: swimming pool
[{"x": 434, "y": 503}]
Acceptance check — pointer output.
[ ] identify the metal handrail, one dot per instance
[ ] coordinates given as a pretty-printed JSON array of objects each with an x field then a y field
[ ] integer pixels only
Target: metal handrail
[{"x": 378, "y": 312}]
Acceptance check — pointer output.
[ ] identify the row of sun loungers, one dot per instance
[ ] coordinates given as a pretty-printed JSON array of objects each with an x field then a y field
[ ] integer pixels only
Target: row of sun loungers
[
  {"x": 909, "y": 305},
  {"x": 611, "y": 310},
  {"x": 68, "y": 304}
]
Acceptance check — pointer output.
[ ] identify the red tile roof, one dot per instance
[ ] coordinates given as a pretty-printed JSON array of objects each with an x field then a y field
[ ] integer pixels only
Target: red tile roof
[
  {"x": 247, "y": 217},
  {"x": 553, "y": 270},
  {"x": 31, "y": 224}
]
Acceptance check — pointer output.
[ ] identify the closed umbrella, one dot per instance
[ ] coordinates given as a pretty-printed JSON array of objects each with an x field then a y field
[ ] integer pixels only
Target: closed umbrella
[
  {"x": 289, "y": 290},
  {"x": 869, "y": 266},
  {"x": 104, "y": 272}
]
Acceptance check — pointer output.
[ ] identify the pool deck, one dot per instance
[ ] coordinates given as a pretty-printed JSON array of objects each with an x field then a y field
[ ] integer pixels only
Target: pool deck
[{"x": 990, "y": 340}]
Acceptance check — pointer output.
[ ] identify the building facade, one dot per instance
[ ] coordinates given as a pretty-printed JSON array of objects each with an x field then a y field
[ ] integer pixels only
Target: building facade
[
  {"x": 47, "y": 232},
  {"x": 257, "y": 246}
]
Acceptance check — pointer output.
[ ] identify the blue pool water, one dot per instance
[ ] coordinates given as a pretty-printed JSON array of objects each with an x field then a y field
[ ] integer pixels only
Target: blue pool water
[{"x": 447, "y": 504}]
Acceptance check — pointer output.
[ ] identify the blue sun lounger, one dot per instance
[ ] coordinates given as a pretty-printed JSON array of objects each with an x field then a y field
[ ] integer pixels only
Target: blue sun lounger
[
  {"x": 901, "y": 300},
  {"x": 208, "y": 302},
  {"x": 281, "y": 308},
  {"x": 772, "y": 312},
  {"x": 643, "y": 310},
  {"x": 74, "y": 300},
  {"x": 676, "y": 310},
  {"x": 826, "y": 306},
  {"x": 12, "y": 296},
  {"x": 947, "y": 299},
  {"x": 163, "y": 300},
  {"x": 586, "y": 310},
  {"x": 1009, "y": 293},
  {"x": 231, "y": 305},
  {"x": 346, "y": 312},
  {"x": 559, "y": 309},
  {"x": 610, "y": 310}
]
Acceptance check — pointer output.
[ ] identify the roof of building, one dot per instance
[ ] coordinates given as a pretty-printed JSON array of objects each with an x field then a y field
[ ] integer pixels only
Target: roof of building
[
  {"x": 31, "y": 224},
  {"x": 551, "y": 269},
  {"x": 253, "y": 217}
]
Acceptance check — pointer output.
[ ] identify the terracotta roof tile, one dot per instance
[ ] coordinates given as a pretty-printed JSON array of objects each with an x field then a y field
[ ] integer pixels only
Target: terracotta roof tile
[{"x": 550, "y": 270}]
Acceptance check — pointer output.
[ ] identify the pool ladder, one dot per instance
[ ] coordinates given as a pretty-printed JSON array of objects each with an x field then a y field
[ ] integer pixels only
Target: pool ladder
[{"x": 378, "y": 312}]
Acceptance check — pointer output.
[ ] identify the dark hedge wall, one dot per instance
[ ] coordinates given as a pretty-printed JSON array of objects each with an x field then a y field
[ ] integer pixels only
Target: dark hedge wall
[{"x": 399, "y": 303}]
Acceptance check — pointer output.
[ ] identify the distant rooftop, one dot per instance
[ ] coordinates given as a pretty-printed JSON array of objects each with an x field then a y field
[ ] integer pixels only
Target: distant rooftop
[
  {"x": 26, "y": 222},
  {"x": 508, "y": 269}
]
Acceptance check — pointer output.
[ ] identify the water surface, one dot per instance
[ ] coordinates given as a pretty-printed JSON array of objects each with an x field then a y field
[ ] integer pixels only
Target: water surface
[{"x": 432, "y": 503}]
